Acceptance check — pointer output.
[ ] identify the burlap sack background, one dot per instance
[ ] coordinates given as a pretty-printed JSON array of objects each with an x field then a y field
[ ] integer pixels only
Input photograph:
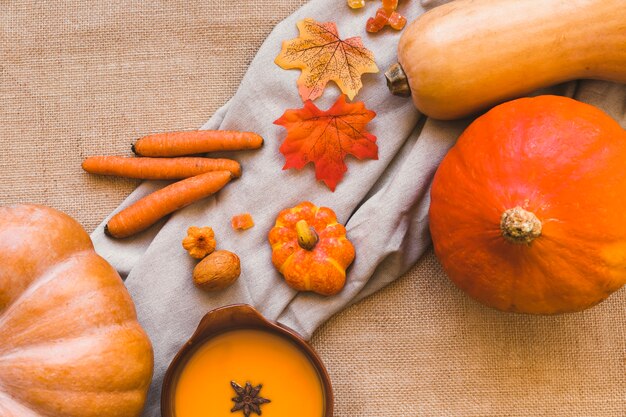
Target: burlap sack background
[{"x": 79, "y": 78}]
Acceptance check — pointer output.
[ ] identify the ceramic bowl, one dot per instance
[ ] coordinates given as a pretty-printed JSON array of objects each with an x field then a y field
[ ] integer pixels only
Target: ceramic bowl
[{"x": 236, "y": 317}]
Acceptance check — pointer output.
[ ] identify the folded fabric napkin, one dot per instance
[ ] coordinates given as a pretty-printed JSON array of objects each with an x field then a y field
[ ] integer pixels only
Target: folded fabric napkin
[{"x": 383, "y": 203}]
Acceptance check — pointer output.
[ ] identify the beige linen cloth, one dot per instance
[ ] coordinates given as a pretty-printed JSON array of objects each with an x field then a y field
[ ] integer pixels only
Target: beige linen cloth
[
  {"x": 383, "y": 203},
  {"x": 80, "y": 78}
]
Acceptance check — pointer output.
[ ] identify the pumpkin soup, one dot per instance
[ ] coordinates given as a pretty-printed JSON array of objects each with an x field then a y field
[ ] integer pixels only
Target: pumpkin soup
[{"x": 224, "y": 374}]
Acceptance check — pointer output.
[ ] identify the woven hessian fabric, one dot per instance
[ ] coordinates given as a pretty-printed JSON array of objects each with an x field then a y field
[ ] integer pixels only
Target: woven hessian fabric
[{"x": 81, "y": 78}]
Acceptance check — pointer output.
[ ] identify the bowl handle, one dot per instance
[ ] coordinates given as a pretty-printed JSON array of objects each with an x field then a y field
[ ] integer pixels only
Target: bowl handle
[{"x": 228, "y": 317}]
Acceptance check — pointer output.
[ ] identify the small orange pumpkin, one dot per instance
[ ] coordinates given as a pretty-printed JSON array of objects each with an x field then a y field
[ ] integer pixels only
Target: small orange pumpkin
[
  {"x": 528, "y": 208},
  {"x": 311, "y": 249}
]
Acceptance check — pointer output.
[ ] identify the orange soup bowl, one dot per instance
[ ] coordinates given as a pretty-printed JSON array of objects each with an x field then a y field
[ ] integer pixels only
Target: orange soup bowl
[{"x": 238, "y": 364}]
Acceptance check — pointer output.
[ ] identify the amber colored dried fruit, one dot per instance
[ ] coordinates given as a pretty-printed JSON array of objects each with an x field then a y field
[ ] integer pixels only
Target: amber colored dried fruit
[
  {"x": 385, "y": 17},
  {"x": 242, "y": 221},
  {"x": 356, "y": 4},
  {"x": 396, "y": 21},
  {"x": 217, "y": 271},
  {"x": 199, "y": 242}
]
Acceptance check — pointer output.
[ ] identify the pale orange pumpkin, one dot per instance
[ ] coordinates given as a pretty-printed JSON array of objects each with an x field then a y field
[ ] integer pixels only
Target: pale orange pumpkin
[
  {"x": 310, "y": 249},
  {"x": 70, "y": 343},
  {"x": 528, "y": 209}
]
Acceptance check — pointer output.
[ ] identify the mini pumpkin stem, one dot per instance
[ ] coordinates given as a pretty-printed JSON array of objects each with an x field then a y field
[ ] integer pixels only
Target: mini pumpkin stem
[
  {"x": 519, "y": 225},
  {"x": 307, "y": 237},
  {"x": 397, "y": 81}
]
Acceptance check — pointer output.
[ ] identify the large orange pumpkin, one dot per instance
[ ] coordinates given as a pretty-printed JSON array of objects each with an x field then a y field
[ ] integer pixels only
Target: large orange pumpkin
[
  {"x": 528, "y": 210},
  {"x": 70, "y": 343}
]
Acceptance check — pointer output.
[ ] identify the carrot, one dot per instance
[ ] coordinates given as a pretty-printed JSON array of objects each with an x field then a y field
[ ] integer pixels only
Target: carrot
[
  {"x": 150, "y": 209},
  {"x": 195, "y": 141},
  {"x": 158, "y": 168}
]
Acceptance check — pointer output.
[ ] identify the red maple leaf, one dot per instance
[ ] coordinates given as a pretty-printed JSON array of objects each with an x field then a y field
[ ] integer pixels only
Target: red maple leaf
[{"x": 326, "y": 137}]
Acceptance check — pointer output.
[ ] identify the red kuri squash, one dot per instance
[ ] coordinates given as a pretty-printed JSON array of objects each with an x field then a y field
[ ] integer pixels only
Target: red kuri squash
[{"x": 528, "y": 210}]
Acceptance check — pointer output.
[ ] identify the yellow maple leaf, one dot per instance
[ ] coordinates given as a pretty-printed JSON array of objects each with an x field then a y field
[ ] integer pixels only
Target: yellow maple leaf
[{"x": 323, "y": 56}]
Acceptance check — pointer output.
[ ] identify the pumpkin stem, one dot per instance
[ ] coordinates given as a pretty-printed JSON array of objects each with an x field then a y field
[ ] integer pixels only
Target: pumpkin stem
[
  {"x": 397, "y": 82},
  {"x": 307, "y": 238},
  {"x": 520, "y": 226}
]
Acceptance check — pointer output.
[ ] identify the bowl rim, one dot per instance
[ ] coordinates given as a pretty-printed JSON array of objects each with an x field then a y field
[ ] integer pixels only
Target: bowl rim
[{"x": 239, "y": 316}]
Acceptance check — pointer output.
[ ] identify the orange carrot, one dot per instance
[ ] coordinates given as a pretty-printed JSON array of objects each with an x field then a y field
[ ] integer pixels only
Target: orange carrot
[
  {"x": 150, "y": 209},
  {"x": 242, "y": 221},
  {"x": 196, "y": 141},
  {"x": 158, "y": 168}
]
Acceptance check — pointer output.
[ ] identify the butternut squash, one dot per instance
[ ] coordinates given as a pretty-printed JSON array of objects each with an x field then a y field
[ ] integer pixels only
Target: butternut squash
[{"x": 467, "y": 55}]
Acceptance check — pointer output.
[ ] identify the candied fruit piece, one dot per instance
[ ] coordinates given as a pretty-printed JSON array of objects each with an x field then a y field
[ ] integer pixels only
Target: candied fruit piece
[
  {"x": 376, "y": 23},
  {"x": 383, "y": 18},
  {"x": 390, "y": 5},
  {"x": 396, "y": 21},
  {"x": 356, "y": 4},
  {"x": 242, "y": 221}
]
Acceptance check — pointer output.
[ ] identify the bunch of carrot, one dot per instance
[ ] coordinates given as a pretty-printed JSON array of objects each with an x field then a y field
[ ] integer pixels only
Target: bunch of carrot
[{"x": 161, "y": 158}]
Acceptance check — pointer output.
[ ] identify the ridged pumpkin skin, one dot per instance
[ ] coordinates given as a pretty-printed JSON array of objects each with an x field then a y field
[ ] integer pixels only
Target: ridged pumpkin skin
[
  {"x": 559, "y": 159},
  {"x": 467, "y": 55},
  {"x": 321, "y": 269},
  {"x": 70, "y": 343}
]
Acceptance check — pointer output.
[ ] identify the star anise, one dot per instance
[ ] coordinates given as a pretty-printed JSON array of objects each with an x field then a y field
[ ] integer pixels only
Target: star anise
[{"x": 247, "y": 398}]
